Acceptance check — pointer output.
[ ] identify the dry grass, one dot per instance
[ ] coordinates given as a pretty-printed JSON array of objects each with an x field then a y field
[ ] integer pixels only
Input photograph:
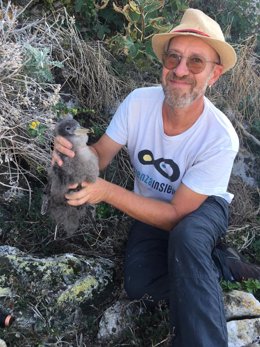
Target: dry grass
[
  {"x": 238, "y": 91},
  {"x": 237, "y": 95},
  {"x": 87, "y": 66},
  {"x": 242, "y": 237},
  {"x": 245, "y": 206},
  {"x": 86, "y": 77}
]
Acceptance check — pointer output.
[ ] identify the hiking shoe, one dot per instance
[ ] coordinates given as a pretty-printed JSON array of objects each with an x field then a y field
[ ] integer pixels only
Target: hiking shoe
[{"x": 236, "y": 264}]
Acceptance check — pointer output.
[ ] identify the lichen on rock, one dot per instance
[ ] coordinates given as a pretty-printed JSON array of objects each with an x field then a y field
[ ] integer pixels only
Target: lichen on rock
[
  {"x": 49, "y": 292},
  {"x": 80, "y": 291}
]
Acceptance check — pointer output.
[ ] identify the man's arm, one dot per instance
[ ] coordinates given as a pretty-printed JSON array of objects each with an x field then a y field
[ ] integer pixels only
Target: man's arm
[
  {"x": 164, "y": 215},
  {"x": 105, "y": 149}
]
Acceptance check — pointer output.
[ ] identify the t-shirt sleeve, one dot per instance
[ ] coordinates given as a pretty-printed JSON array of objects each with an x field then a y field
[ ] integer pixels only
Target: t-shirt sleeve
[
  {"x": 117, "y": 129},
  {"x": 211, "y": 172}
]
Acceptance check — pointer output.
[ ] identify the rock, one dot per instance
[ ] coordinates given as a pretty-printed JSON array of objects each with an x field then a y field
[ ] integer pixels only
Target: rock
[
  {"x": 245, "y": 166},
  {"x": 243, "y": 333},
  {"x": 240, "y": 304},
  {"x": 2, "y": 343},
  {"x": 117, "y": 318},
  {"x": 53, "y": 291}
]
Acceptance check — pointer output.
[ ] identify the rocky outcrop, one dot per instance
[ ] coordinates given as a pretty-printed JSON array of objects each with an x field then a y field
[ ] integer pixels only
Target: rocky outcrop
[
  {"x": 241, "y": 311},
  {"x": 51, "y": 292},
  {"x": 240, "y": 304},
  {"x": 243, "y": 333},
  {"x": 54, "y": 293}
]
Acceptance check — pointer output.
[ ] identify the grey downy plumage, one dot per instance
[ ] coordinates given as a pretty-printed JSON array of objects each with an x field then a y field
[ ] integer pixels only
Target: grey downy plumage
[{"x": 82, "y": 167}]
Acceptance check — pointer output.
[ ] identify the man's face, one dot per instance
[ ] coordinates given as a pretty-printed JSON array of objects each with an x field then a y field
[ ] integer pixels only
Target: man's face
[{"x": 182, "y": 87}]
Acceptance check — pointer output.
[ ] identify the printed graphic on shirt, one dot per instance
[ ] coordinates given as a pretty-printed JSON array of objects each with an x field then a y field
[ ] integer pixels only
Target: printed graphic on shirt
[
  {"x": 161, "y": 165},
  {"x": 156, "y": 185}
]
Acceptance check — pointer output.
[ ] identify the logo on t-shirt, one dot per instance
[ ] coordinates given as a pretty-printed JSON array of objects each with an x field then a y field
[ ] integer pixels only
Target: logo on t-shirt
[{"x": 161, "y": 165}]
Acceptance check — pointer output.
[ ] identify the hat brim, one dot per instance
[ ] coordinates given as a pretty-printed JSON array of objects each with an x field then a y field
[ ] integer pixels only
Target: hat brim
[{"x": 226, "y": 52}]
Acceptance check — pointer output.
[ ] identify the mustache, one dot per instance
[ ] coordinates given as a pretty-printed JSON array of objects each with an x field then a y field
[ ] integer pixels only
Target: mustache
[{"x": 173, "y": 77}]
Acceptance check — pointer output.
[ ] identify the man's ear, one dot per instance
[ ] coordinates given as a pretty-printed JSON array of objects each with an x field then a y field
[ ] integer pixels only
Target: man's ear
[{"x": 216, "y": 73}]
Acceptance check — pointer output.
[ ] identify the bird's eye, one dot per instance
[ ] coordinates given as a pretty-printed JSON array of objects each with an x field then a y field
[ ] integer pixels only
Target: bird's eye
[{"x": 67, "y": 128}]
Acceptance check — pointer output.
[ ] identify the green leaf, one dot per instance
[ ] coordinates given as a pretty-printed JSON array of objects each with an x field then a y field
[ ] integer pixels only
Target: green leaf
[
  {"x": 134, "y": 7},
  {"x": 149, "y": 49},
  {"x": 160, "y": 25},
  {"x": 250, "y": 285},
  {"x": 134, "y": 17},
  {"x": 78, "y": 5},
  {"x": 151, "y": 6},
  {"x": 134, "y": 48}
]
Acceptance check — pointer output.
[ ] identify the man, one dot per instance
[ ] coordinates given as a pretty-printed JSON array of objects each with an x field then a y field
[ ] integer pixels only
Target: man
[{"x": 182, "y": 149}]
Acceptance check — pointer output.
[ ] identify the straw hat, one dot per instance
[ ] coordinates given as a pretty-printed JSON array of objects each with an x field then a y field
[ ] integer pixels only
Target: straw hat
[{"x": 196, "y": 23}]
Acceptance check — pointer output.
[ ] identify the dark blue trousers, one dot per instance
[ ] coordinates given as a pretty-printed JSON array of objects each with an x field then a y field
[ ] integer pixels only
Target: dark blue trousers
[{"x": 178, "y": 267}]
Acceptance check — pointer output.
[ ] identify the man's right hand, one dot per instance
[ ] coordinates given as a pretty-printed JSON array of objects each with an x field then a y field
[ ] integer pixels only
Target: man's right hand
[{"x": 61, "y": 145}]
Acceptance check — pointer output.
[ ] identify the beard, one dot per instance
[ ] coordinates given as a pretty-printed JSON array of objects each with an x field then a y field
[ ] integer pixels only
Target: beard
[{"x": 176, "y": 98}]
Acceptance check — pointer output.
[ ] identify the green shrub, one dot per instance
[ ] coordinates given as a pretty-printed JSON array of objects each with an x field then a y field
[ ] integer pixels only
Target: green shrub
[
  {"x": 38, "y": 63},
  {"x": 250, "y": 286},
  {"x": 240, "y": 19},
  {"x": 144, "y": 18}
]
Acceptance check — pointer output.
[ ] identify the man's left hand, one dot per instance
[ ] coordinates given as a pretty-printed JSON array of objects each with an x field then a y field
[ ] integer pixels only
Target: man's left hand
[{"x": 91, "y": 193}]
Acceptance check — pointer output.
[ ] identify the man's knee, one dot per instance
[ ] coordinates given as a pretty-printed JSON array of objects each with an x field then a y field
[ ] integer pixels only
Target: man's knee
[
  {"x": 190, "y": 233},
  {"x": 201, "y": 228}
]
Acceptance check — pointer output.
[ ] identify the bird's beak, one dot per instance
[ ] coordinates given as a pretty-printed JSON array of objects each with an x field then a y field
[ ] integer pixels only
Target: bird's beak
[{"x": 82, "y": 131}]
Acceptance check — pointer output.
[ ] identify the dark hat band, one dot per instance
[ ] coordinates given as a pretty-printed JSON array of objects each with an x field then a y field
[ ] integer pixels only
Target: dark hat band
[{"x": 191, "y": 31}]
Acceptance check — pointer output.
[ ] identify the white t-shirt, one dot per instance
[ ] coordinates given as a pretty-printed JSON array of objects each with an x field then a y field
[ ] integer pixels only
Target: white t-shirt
[{"x": 200, "y": 157}]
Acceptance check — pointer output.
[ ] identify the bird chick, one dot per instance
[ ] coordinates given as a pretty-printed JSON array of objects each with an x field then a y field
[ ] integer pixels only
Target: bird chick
[{"x": 82, "y": 167}]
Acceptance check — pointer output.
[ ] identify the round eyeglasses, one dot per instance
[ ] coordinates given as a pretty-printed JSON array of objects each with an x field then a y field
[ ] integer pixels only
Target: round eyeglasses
[{"x": 195, "y": 63}]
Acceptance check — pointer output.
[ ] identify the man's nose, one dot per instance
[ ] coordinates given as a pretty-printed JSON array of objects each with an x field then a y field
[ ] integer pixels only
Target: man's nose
[{"x": 182, "y": 68}]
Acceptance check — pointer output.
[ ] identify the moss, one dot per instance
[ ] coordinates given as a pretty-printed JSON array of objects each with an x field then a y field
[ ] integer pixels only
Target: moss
[{"x": 79, "y": 291}]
